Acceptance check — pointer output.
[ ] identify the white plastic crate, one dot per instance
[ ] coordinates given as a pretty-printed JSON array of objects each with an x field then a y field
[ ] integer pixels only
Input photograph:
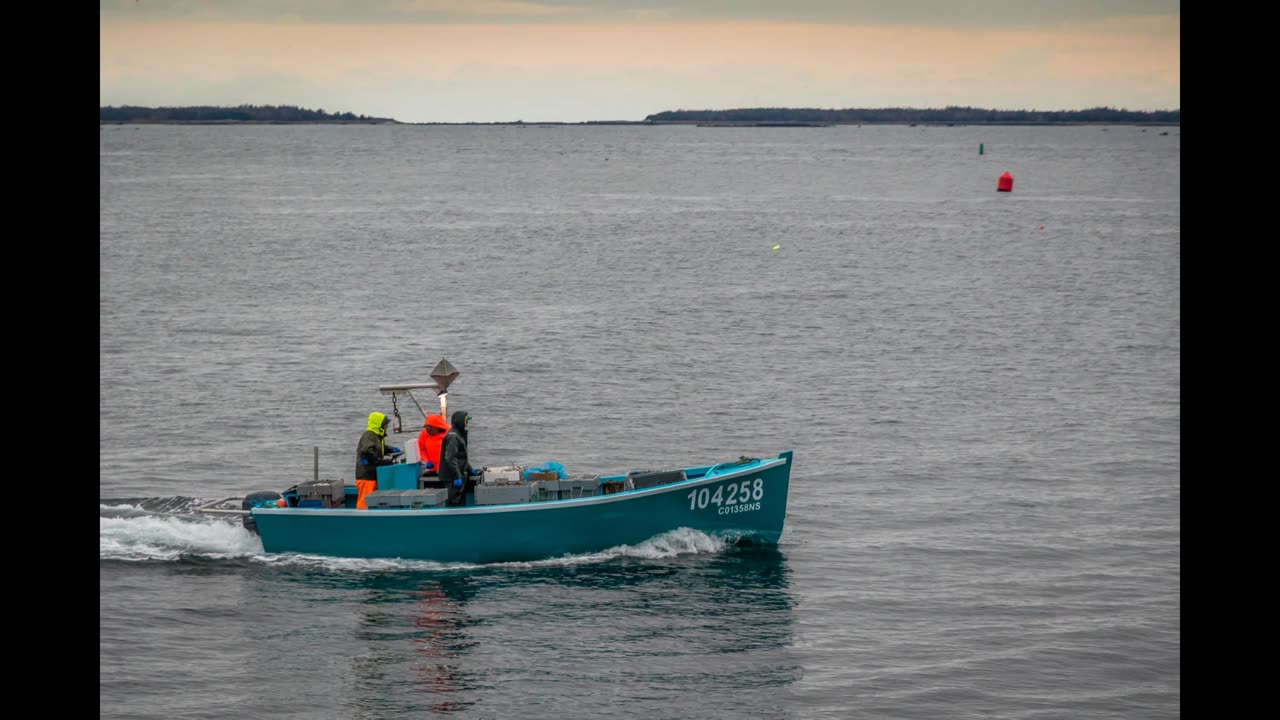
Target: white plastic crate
[{"x": 503, "y": 475}]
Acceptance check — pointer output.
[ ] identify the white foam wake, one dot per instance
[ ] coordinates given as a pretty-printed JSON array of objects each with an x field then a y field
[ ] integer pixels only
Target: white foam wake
[
  {"x": 138, "y": 536},
  {"x": 132, "y": 534}
]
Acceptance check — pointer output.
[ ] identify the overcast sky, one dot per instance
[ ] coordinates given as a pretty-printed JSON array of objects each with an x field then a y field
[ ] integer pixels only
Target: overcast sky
[{"x": 576, "y": 60}]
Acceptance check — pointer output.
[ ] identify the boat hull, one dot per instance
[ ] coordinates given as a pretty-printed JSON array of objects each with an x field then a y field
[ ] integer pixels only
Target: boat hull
[{"x": 746, "y": 505}]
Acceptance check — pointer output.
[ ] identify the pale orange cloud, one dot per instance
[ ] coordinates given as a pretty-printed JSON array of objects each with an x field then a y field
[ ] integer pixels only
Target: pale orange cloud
[{"x": 795, "y": 64}]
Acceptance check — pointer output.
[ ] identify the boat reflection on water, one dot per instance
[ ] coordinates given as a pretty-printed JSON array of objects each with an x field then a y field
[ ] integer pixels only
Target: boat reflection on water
[
  {"x": 415, "y": 629},
  {"x": 713, "y": 626},
  {"x": 439, "y": 641}
]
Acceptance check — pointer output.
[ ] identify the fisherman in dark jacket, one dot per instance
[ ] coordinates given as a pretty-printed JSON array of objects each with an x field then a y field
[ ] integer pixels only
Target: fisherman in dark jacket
[
  {"x": 455, "y": 469},
  {"x": 371, "y": 451}
]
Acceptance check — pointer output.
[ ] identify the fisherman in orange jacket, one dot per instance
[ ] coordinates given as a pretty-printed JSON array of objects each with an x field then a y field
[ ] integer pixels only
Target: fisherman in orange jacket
[{"x": 429, "y": 440}]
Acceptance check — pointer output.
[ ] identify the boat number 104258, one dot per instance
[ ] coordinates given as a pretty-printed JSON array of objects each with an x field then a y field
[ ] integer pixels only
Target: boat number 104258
[{"x": 734, "y": 497}]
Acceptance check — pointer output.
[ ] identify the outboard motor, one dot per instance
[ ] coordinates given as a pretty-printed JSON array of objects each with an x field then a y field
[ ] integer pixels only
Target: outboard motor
[{"x": 257, "y": 499}]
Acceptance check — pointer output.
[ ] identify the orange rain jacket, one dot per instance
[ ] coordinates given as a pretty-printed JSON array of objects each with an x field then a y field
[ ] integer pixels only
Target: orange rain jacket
[{"x": 429, "y": 443}]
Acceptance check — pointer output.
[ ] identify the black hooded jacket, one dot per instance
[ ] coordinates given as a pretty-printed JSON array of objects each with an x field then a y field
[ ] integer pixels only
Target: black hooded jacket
[
  {"x": 372, "y": 449},
  {"x": 453, "y": 452}
]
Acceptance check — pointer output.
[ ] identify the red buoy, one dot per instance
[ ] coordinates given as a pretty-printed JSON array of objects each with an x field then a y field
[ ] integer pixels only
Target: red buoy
[{"x": 1005, "y": 184}]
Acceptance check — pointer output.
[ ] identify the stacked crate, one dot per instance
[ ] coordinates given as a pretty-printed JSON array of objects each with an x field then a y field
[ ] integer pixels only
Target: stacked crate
[
  {"x": 385, "y": 499},
  {"x": 576, "y": 486},
  {"x": 541, "y": 490},
  {"x": 494, "y": 494},
  {"x": 543, "y": 485},
  {"x": 427, "y": 497},
  {"x": 330, "y": 493}
]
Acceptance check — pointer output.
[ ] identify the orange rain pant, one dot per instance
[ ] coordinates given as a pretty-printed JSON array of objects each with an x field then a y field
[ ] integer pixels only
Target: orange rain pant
[{"x": 364, "y": 487}]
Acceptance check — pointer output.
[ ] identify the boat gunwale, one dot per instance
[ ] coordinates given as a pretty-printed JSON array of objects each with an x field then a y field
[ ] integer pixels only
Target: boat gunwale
[{"x": 621, "y": 496}]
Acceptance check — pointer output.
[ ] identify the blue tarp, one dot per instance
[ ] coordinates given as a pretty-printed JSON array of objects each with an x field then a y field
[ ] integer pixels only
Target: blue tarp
[{"x": 554, "y": 467}]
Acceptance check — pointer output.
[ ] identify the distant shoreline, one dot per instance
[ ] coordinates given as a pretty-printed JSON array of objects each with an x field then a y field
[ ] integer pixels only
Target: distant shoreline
[
  {"x": 599, "y": 123},
  {"x": 249, "y": 122},
  {"x": 950, "y": 116}
]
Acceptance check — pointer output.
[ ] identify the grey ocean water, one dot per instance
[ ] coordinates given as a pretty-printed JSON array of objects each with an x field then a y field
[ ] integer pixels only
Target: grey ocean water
[{"x": 982, "y": 391}]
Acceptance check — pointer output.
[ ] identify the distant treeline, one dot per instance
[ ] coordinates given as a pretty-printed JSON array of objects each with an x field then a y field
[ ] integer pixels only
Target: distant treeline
[
  {"x": 950, "y": 114},
  {"x": 240, "y": 113}
]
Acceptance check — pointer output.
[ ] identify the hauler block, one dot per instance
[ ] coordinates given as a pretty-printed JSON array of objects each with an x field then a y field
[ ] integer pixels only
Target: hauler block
[{"x": 1005, "y": 183}]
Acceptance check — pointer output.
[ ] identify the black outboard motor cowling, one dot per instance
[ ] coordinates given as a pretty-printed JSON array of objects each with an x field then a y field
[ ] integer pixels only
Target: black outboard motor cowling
[{"x": 253, "y": 500}]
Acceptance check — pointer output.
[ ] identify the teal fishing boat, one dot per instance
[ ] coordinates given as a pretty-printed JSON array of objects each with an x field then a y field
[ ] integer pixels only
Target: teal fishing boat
[{"x": 517, "y": 513}]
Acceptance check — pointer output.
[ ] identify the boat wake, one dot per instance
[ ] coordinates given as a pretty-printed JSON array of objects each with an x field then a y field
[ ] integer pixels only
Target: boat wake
[
  {"x": 682, "y": 541},
  {"x": 170, "y": 530},
  {"x": 133, "y": 533}
]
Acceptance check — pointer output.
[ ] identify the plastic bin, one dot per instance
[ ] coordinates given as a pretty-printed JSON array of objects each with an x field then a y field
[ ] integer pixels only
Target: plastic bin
[
  {"x": 385, "y": 499},
  {"x": 640, "y": 480},
  {"x": 544, "y": 490},
  {"x": 502, "y": 494},
  {"x": 424, "y": 498},
  {"x": 576, "y": 486},
  {"x": 400, "y": 476},
  {"x": 504, "y": 475},
  {"x": 331, "y": 492}
]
